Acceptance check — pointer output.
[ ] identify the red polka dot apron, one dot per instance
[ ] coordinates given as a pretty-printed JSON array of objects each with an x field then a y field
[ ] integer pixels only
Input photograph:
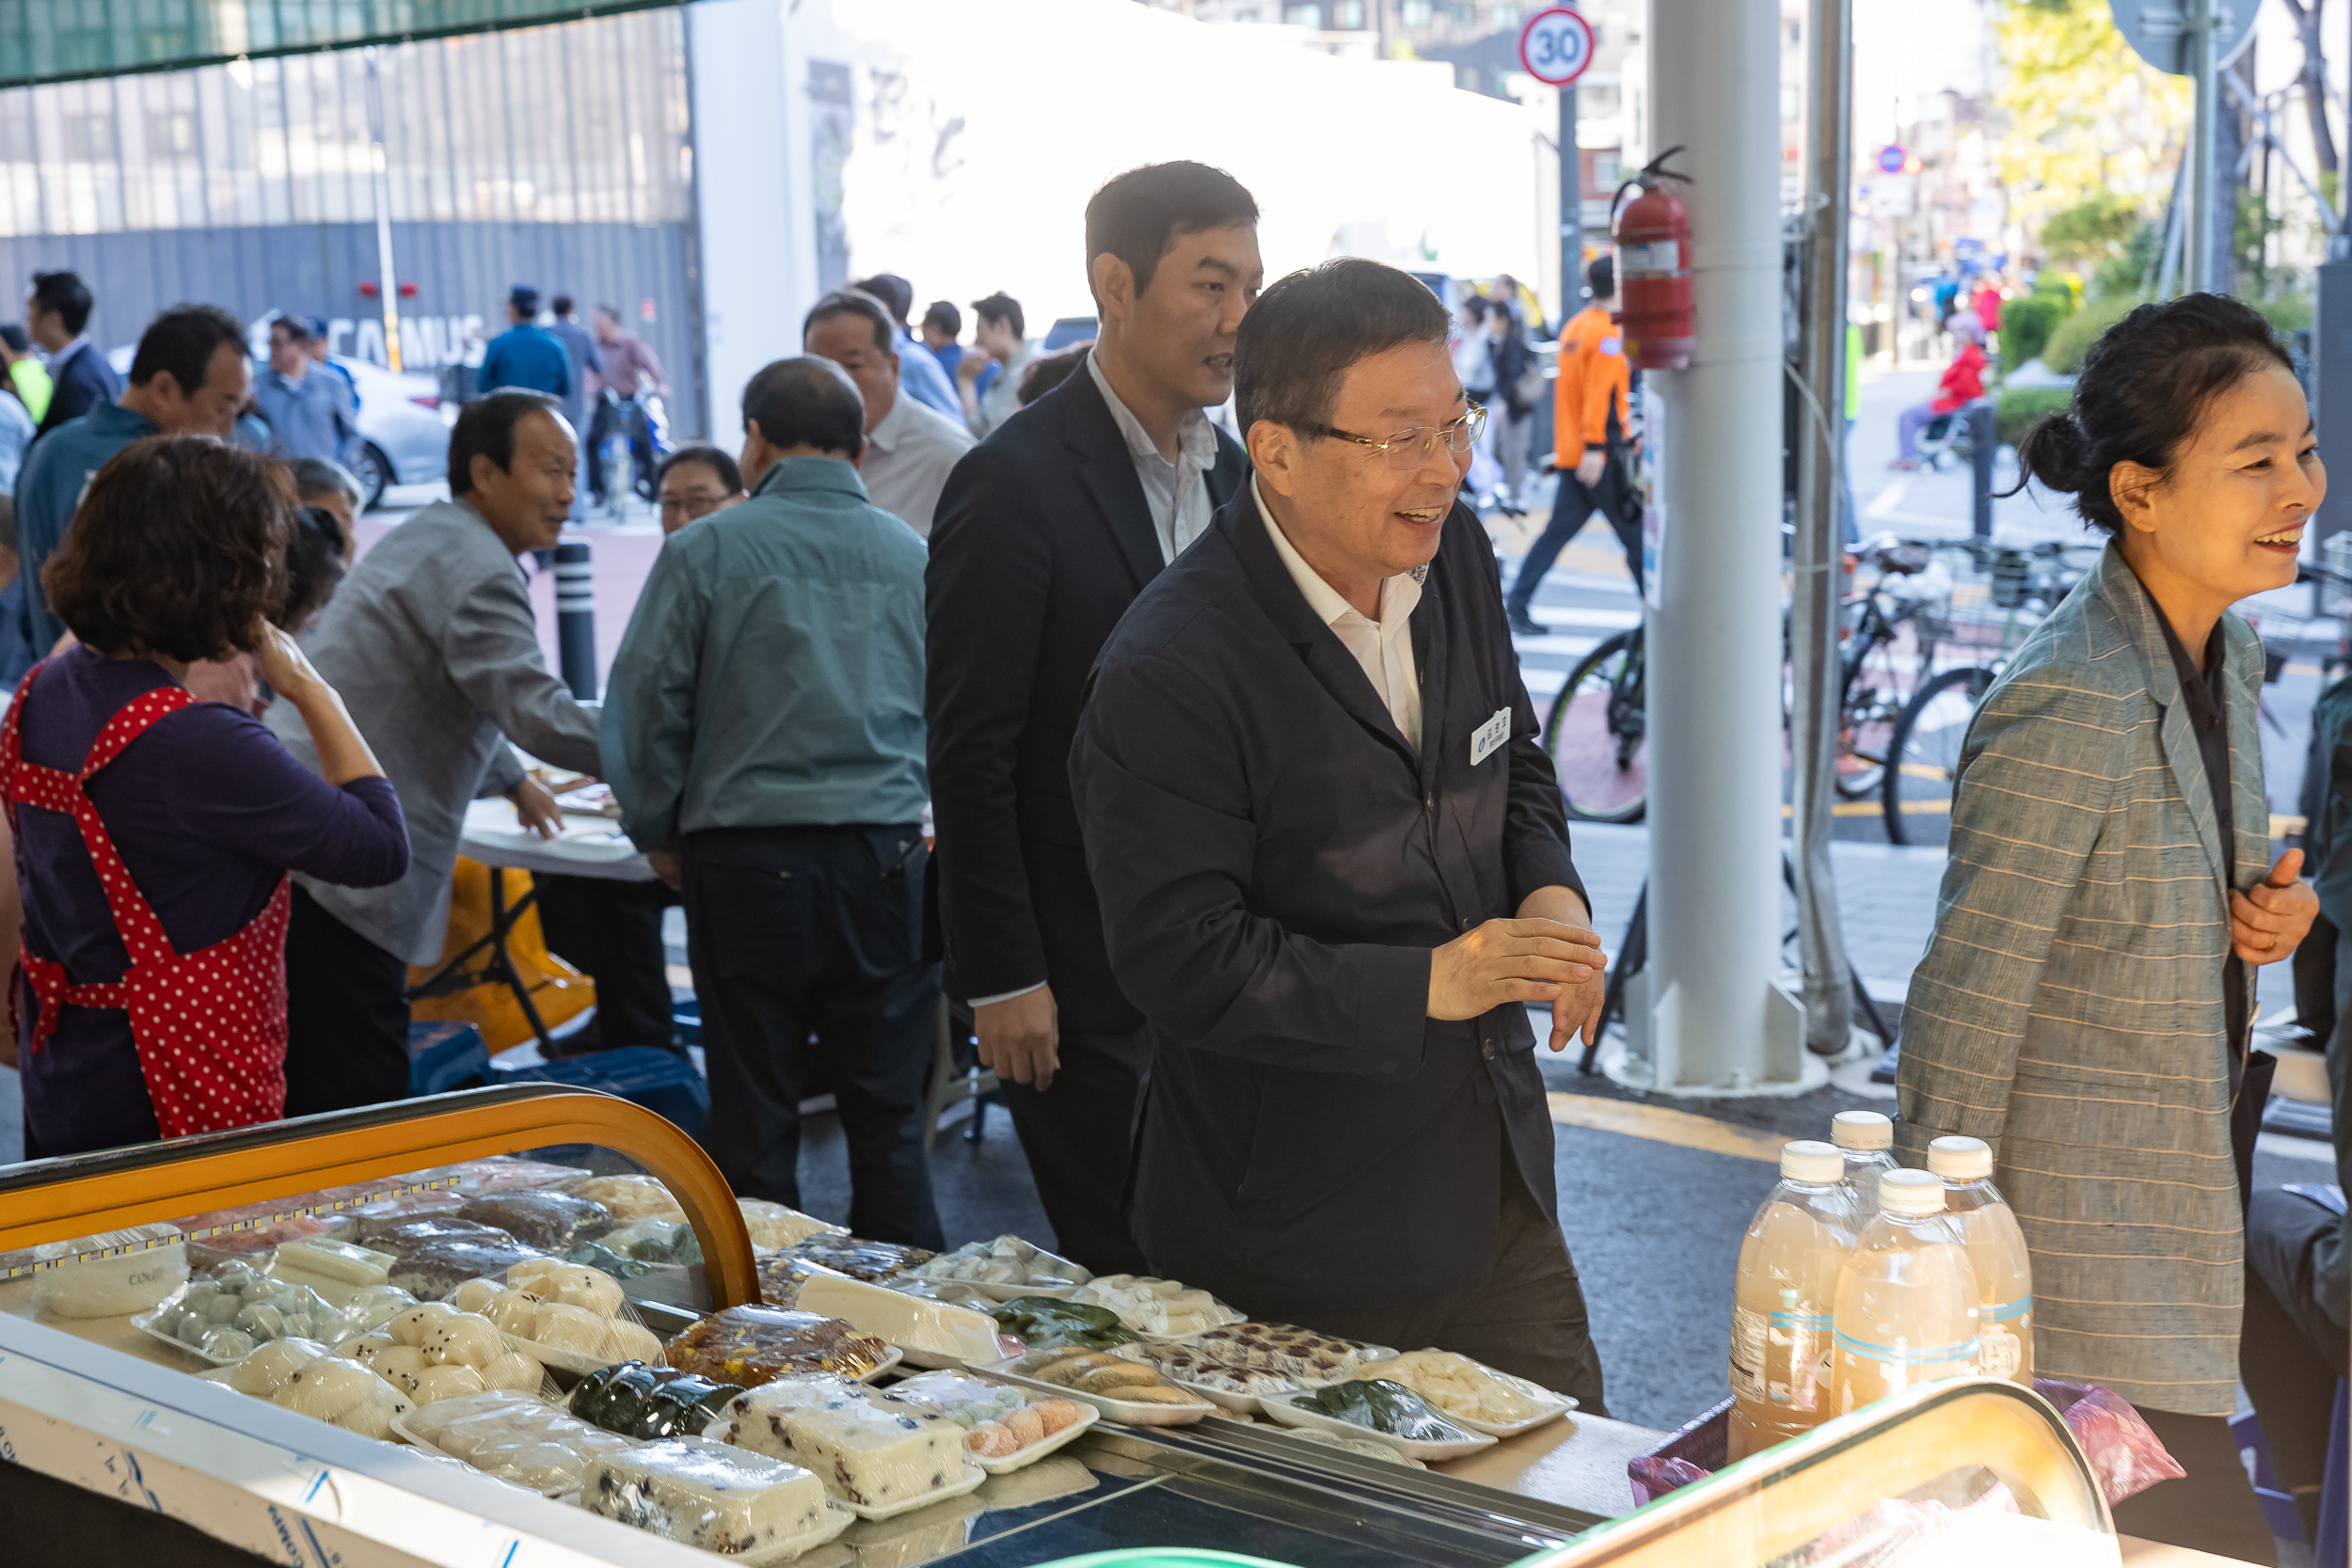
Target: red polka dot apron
[{"x": 210, "y": 1026}]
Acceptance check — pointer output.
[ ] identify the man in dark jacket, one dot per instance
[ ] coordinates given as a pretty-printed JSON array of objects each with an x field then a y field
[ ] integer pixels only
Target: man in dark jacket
[
  {"x": 2298, "y": 1254},
  {"x": 55, "y": 313},
  {"x": 1044, "y": 535},
  {"x": 1334, "y": 868}
]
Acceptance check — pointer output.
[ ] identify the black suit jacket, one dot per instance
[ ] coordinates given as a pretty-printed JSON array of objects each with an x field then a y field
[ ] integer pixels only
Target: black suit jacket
[
  {"x": 1276, "y": 864},
  {"x": 1042, "y": 540},
  {"x": 78, "y": 383}
]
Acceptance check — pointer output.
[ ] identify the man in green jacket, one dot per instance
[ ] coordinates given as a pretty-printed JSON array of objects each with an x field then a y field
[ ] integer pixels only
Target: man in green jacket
[{"x": 763, "y": 732}]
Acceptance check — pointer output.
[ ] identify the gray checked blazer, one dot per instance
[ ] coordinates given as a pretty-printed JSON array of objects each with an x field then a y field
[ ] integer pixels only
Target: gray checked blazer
[
  {"x": 432, "y": 643},
  {"x": 2070, "y": 1011}
]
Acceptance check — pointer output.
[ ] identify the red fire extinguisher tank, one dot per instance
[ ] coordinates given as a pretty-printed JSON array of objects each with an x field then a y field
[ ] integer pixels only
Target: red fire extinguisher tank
[{"x": 1652, "y": 233}]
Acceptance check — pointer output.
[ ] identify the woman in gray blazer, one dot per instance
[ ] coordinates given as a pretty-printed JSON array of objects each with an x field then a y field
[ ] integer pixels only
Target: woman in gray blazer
[{"x": 2085, "y": 1000}]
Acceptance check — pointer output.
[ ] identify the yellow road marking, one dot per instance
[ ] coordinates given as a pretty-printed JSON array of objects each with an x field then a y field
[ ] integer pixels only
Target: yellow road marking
[
  {"x": 1873, "y": 808},
  {"x": 1661, "y": 1125}
]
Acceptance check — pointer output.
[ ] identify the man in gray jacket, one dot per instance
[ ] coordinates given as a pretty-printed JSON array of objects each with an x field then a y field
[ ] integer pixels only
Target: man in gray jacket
[{"x": 432, "y": 643}]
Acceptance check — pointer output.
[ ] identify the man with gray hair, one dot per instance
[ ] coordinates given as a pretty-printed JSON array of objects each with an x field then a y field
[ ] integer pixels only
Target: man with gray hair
[
  {"x": 1333, "y": 865},
  {"x": 790, "y": 811}
]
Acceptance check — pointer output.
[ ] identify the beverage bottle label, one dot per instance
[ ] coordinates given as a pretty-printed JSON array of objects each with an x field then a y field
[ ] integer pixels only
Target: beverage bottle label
[{"x": 1748, "y": 1332}]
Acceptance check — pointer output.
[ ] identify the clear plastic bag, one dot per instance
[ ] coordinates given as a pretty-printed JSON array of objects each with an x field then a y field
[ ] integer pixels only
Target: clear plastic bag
[
  {"x": 752, "y": 1345},
  {"x": 551, "y": 1222},
  {"x": 434, "y": 1267},
  {"x": 772, "y": 1226},
  {"x": 722, "y": 1499},
  {"x": 516, "y": 1437},
  {"x": 872, "y": 1261},
  {"x": 2124, "y": 1451}
]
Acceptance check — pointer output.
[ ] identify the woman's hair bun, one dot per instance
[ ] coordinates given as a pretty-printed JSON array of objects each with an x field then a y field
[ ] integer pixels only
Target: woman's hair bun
[{"x": 2052, "y": 454}]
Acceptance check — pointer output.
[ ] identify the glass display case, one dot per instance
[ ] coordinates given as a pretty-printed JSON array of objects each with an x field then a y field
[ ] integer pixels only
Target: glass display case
[
  {"x": 117, "y": 1424},
  {"x": 1966, "y": 1471}
]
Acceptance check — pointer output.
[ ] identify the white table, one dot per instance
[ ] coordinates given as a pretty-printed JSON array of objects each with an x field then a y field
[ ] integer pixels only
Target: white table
[{"x": 588, "y": 847}]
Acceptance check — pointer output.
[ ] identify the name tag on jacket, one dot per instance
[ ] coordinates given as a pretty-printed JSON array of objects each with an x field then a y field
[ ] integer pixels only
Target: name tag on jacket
[{"x": 1488, "y": 738}]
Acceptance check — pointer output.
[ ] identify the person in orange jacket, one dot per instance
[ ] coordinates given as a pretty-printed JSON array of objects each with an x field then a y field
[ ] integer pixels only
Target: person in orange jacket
[{"x": 1589, "y": 418}]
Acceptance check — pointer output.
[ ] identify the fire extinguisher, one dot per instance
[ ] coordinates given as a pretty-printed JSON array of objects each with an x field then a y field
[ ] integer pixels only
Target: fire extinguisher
[{"x": 1652, "y": 236}]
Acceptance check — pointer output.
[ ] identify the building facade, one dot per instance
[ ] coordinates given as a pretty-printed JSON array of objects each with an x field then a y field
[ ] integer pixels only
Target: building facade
[{"x": 557, "y": 156}]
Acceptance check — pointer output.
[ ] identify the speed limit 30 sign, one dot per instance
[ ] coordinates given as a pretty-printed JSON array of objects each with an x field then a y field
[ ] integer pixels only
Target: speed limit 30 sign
[{"x": 1556, "y": 46}]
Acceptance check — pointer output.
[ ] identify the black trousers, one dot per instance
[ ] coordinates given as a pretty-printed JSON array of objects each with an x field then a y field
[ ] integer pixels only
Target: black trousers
[
  {"x": 1527, "y": 1317},
  {"x": 346, "y": 1015},
  {"x": 2290, "y": 1353},
  {"x": 801, "y": 931},
  {"x": 2213, "y": 1508},
  {"x": 1078, "y": 1136},
  {"x": 612, "y": 931},
  {"x": 1570, "y": 508}
]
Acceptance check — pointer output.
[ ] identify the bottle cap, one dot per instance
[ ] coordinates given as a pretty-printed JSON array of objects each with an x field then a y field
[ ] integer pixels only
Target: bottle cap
[
  {"x": 1862, "y": 1130},
  {"x": 1808, "y": 1161},
  {"x": 1961, "y": 1158},
  {"x": 1911, "y": 1192}
]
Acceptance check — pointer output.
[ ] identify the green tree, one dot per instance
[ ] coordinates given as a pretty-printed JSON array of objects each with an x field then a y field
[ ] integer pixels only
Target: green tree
[
  {"x": 2093, "y": 231},
  {"x": 2086, "y": 121}
]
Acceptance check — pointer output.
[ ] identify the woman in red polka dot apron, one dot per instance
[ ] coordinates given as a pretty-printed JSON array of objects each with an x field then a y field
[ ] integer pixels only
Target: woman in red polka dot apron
[{"x": 153, "y": 831}]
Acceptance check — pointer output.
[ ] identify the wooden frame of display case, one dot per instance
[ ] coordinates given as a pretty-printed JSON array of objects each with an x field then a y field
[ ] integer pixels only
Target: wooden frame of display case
[{"x": 88, "y": 1194}]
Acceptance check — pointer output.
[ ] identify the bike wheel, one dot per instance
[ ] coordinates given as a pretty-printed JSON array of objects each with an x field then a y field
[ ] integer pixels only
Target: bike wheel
[
  {"x": 1924, "y": 753},
  {"x": 1598, "y": 734}
]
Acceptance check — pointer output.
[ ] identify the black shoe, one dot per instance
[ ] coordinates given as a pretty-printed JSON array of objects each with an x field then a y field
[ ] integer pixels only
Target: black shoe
[{"x": 1524, "y": 624}]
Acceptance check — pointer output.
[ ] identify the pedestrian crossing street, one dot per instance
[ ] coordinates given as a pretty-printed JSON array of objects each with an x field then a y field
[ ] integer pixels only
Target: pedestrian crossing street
[{"x": 1578, "y": 610}]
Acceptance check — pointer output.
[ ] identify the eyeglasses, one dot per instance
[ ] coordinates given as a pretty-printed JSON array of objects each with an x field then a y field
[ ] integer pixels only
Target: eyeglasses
[{"x": 1410, "y": 449}]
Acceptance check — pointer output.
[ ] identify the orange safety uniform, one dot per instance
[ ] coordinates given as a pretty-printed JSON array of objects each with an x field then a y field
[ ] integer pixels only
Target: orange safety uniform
[{"x": 1594, "y": 379}]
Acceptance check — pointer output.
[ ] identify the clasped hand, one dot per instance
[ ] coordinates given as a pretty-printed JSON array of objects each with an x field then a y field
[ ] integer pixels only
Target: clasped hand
[{"x": 1522, "y": 960}]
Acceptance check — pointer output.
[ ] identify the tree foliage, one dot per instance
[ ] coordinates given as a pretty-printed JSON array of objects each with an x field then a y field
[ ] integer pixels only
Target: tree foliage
[
  {"x": 2088, "y": 122},
  {"x": 2091, "y": 231}
]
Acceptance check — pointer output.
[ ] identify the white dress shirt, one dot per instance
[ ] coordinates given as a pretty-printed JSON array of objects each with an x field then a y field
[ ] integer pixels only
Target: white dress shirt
[
  {"x": 907, "y": 459},
  {"x": 1383, "y": 647},
  {"x": 1177, "y": 492}
]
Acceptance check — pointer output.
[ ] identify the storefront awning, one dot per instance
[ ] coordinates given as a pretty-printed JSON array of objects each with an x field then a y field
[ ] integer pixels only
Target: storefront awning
[{"x": 63, "y": 40}]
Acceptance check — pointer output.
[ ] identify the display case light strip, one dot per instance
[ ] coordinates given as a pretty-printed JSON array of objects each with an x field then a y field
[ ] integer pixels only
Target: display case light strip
[{"x": 27, "y": 1271}]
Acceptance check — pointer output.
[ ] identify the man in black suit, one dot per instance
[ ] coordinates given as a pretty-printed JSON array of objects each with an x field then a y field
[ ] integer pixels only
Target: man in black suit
[
  {"x": 79, "y": 379},
  {"x": 1046, "y": 533},
  {"x": 1334, "y": 866}
]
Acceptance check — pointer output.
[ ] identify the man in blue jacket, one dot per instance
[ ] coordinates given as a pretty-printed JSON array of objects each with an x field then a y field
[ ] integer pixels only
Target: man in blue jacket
[
  {"x": 1333, "y": 865},
  {"x": 191, "y": 373},
  {"x": 526, "y": 355}
]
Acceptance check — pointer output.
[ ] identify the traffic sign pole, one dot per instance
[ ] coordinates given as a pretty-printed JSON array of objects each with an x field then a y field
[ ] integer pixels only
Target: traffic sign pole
[
  {"x": 1556, "y": 48},
  {"x": 2205, "y": 201},
  {"x": 1571, "y": 213}
]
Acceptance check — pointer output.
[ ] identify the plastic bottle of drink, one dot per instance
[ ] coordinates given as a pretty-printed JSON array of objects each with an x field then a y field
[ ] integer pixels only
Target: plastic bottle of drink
[
  {"x": 1906, "y": 1308},
  {"x": 1866, "y": 1139},
  {"x": 1997, "y": 1249},
  {"x": 1780, "y": 1317}
]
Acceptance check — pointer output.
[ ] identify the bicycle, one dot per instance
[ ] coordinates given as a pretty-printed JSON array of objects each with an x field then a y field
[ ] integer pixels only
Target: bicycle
[
  {"x": 1597, "y": 731},
  {"x": 2024, "y": 585}
]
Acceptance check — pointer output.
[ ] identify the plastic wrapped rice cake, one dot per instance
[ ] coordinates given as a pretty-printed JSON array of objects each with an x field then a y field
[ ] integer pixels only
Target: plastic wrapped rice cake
[{"x": 721, "y": 1500}]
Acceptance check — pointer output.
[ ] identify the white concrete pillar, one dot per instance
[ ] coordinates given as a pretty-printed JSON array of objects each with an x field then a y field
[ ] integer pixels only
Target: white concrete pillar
[
  {"x": 1714, "y": 646},
  {"x": 750, "y": 213}
]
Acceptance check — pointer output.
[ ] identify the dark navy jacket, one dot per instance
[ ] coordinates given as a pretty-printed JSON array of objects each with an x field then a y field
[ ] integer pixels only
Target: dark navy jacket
[
  {"x": 1274, "y": 866},
  {"x": 1041, "y": 540}
]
